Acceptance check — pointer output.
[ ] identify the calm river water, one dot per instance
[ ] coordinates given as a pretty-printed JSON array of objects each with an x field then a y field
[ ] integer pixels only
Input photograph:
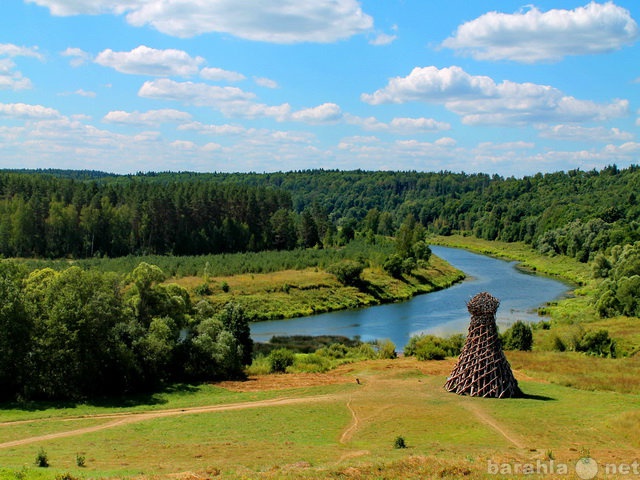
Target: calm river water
[{"x": 440, "y": 313}]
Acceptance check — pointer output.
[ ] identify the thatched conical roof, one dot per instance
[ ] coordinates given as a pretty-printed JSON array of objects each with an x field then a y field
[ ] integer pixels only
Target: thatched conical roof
[{"x": 482, "y": 369}]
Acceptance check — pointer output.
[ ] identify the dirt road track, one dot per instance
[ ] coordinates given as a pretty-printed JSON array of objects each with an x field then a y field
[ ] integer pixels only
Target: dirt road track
[{"x": 128, "y": 418}]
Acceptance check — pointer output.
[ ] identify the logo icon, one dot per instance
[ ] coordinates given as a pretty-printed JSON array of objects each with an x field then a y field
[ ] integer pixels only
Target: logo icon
[{"x": 586, "y": 468}]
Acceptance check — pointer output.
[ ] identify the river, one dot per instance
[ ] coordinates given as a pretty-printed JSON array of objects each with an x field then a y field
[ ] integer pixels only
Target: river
[{"x": 440, "y": 313}]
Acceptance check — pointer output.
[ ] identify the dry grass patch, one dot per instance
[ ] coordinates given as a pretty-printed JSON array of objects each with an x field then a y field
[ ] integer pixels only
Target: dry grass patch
[{"x": 581, "y": 371}]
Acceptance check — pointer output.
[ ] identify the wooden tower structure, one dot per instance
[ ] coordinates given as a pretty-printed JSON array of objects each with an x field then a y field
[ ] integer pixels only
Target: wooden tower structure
[{"x": 482, "y": 369}]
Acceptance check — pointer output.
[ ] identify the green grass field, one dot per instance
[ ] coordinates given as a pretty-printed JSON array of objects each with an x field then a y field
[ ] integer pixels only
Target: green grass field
[
  {"x": 339, "y": 429},
  {"x": 296, "y": 293}
]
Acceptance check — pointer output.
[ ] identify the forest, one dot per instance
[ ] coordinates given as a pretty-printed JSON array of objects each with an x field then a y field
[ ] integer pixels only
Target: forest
[
  {"x": 79, "y": 332},
  {"x": 83, "y": 214}
]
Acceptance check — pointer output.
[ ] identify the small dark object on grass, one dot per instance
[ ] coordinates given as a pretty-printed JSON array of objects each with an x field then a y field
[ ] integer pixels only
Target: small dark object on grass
[
  {"x": 42, "y": 460},
  {"x": 399, "y": 443}
]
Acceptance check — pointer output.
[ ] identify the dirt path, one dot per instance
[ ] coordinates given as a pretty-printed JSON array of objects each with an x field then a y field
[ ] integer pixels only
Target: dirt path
[
  {"x": 488, "y": 420},
  {"x": 355, "y": 422},
  {"x": 128, "y": 418}
]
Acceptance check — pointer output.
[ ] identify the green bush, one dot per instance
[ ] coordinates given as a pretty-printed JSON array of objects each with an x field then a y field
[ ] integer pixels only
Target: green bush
[
  {"x": 203, "y": 289},
  {"x": 42, "y": 460},
  {"x": 399, "y": 442},
  {"x": 393, "y": 265},
  {"x": 280, "y": 359},
  {"x": 518, "y": 337},
  {"x": 597, "y": 343},
  {"x": 66, "y": 476},
  {"x": 430, "y": 347},
  {"x": 311, "y": 363},
  {"x": 348, "y": 272},
  {"x": 386, "y": 349},
  {"x": 557, "y": 344}
]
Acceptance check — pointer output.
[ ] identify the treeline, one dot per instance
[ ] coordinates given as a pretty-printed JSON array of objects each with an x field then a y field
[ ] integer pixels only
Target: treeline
[
  {"x": 79, "y": 334},
  {"x": 59, "y": 213},
  {"x": 43, "y": 215},
  {"x": 575, "y": 213}
]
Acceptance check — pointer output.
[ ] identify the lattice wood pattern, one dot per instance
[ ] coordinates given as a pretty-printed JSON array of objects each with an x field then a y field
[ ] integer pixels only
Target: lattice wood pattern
[{"x": 482, "y": 369}]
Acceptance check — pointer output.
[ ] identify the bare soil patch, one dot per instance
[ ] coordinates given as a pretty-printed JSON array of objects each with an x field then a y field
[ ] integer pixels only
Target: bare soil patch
[{"x": 290, "y": 380}]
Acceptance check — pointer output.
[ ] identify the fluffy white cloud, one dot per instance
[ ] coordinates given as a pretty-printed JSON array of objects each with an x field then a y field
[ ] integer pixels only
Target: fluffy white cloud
[
  {"x": 10, "y": 50},
  {"x": 151, "y": 117},
  {"x": 627, "y": 148},
  {"x": 325, "y": 113},
  {"x": 284, "y": 21},
  {"x": 583, "y": 134},
  {"x": 220, "y": 75},
  {"x": 480, "y": 100},
  {"x": 431, "y": 84},
  {"x": 78, "y": 56},
  {"x": 265, "y": 82},
  {"x": 191, "y": 93},
  {"x": 382, "y": 39},
  {"x": 208, "y": 129},
  {"x": 94, "y": 7},
  {"x": 183, "y": 145},
  {"x": 533, "y": 36},
  {"x": 235, "y": 102},
  {"x": 415, "y": 125},
  {"x": 25, "y": 111},
  {"x": 143, "y": 60},
  {"x": 400, "y": 125},
  {"x": 10, "y": 78}
]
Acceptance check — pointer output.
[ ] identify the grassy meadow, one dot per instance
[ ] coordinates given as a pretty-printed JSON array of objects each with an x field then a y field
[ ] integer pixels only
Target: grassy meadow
[
  {"x": 299, "y": 292},
  {"x": 338, "y": 428}
]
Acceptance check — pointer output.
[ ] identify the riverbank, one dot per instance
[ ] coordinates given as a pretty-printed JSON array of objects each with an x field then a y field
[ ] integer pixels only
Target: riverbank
[
  {"x": 570, "y": 317},
  {"x": 565, "y": 268},
  {"x": 297, "y": 293}
]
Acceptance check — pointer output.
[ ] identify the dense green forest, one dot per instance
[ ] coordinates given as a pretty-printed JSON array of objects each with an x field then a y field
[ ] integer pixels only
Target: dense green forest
[
  {"x": 82, "y": 214},
  {"x": 78, "y": 334}
]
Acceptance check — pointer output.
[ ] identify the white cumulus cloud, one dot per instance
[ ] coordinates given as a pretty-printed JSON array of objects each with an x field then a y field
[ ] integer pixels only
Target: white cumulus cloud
[
  {"x": 235, "y": 102},
  {"x": 151, "y": 117},
  {"x": 532, "y": 36},
  {"x": 11, "y": 50},
  {"x": 325, "y": 113},
  {"x": 26, "y": 111},
  {"x": 191, "y": 93},
  {"x": 284, "y": 21},
  {"x": 78, "y": 56},
  {"x": 584, "y": 134},
  {"x": 220, "y": 75},
  {"x": 382, "y": 39},
  {"x": 399, "y": 125},
  {"x": 144, "y": 60},
  {"x": 10, "y": 77},
  {"x": 415, "y": 125},
  {"x": 265, "y": 82},
  {"x": 480, "y": 100}
]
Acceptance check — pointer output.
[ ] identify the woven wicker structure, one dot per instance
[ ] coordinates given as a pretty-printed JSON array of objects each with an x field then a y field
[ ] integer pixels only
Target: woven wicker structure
[{"x": 482, "y": 369}]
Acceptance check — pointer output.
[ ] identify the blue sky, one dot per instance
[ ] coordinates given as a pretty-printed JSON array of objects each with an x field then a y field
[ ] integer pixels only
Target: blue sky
[{"x": 256, "y": 85}]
